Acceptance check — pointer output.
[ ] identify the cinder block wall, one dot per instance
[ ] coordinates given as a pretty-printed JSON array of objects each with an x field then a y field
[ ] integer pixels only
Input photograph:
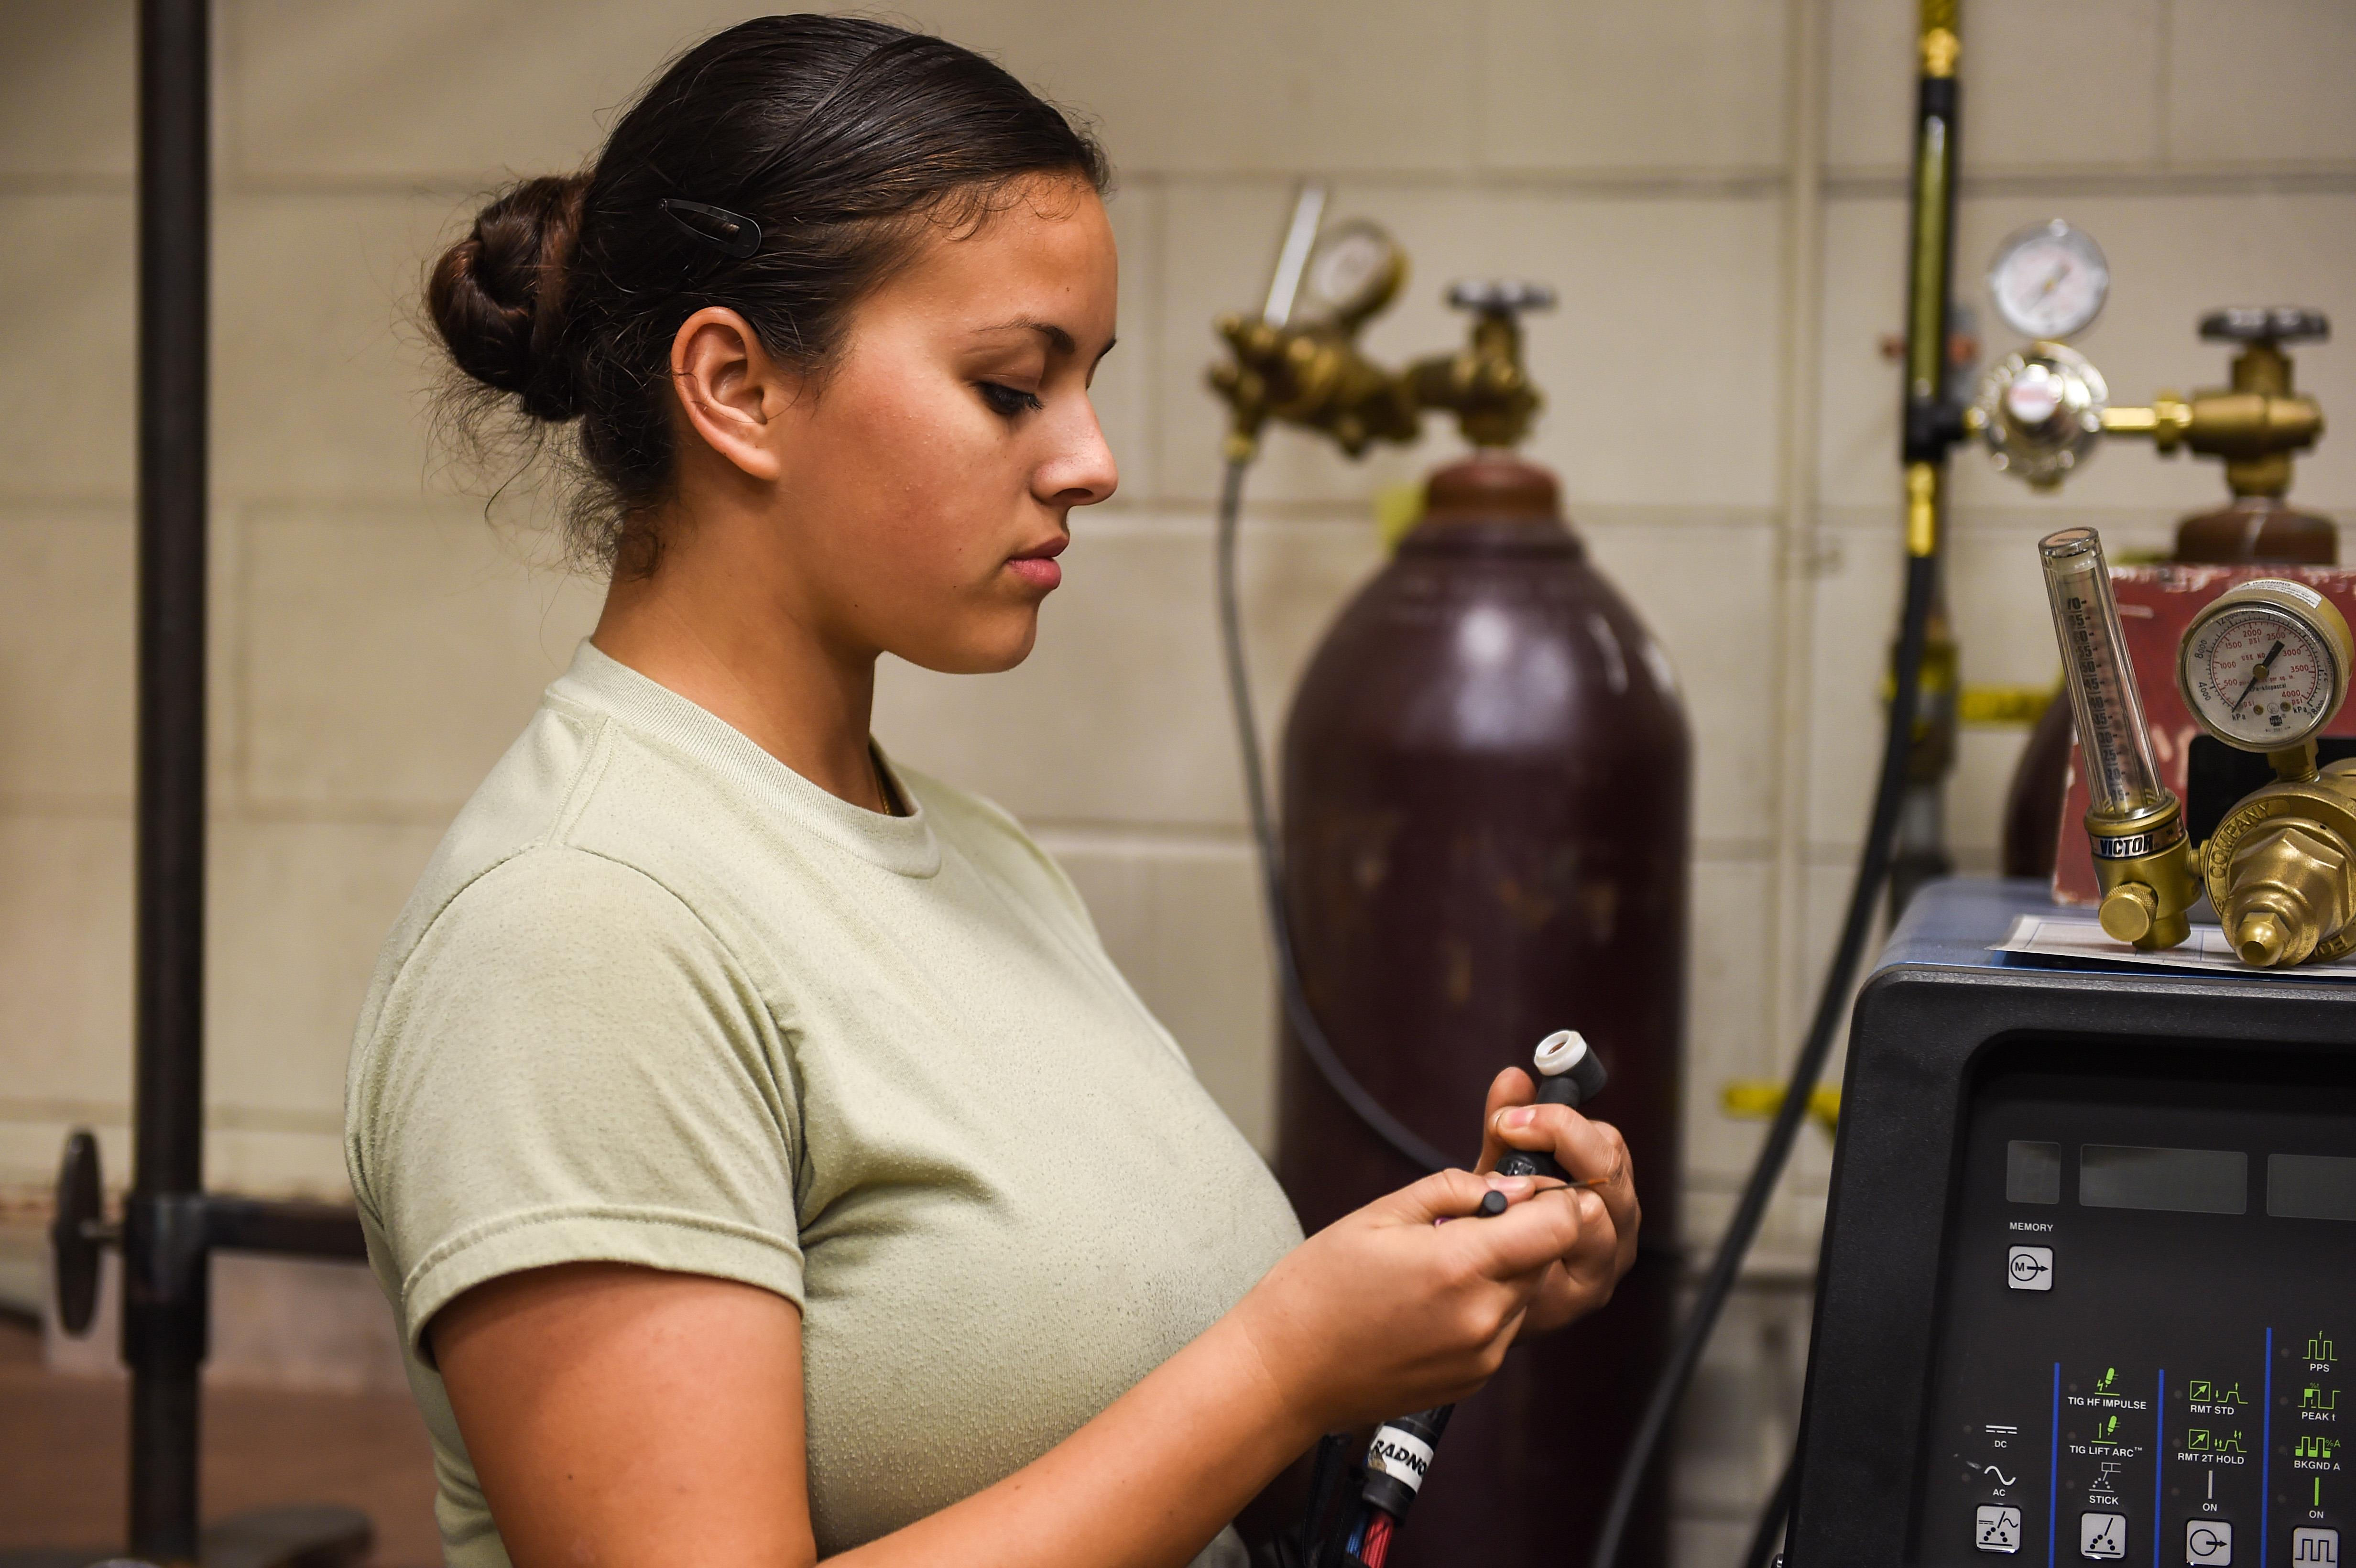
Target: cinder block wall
[{"x": 1716, "y": 187}]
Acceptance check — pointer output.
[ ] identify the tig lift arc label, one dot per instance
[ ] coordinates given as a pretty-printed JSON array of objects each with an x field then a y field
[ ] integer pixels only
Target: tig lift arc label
[
  {"x": 2127, "y": 845},
  {"x": 1401, "y": 1455}
]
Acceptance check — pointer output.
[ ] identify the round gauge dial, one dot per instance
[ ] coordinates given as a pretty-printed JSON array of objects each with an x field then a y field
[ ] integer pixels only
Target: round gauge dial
[
  {"x": 2050, "y": 281},
  {"x": 1354, "y": 272},
  {"x": 2266, "y": 666}
]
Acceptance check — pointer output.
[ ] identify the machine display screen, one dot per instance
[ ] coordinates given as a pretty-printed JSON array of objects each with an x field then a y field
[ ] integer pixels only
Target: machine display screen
[
  {"x": 2310, "y": 1186},
  {"x": 2148, "y": 1285},
  {"x": 2185, "y": 1180}
]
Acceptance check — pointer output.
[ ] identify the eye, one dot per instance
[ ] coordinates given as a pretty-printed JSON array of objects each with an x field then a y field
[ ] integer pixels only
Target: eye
[{"x": 1007, "y": 401}]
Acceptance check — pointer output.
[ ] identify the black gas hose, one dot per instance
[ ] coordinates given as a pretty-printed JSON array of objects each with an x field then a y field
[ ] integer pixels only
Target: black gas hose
[
  {"x": 1401, "y": 1138},
  {"x": 1832, "y": 1002}
]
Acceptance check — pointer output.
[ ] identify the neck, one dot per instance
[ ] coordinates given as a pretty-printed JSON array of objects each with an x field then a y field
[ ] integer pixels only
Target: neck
[{"x": 738, "y": 647}]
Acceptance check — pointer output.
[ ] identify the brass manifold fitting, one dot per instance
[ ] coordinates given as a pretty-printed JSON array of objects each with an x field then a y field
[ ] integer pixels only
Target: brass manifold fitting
[
  {"x": 1315, "y": 376},
  {"x": 2144, "y": 865},
  {"x": 2281, "y": 868},
  {"x": 2257, "y": 424},
  {"x": 2043, "y": 409}
]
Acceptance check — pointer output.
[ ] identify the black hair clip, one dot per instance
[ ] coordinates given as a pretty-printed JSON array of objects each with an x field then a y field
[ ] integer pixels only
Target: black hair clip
[{"x": 731, "y": 232}]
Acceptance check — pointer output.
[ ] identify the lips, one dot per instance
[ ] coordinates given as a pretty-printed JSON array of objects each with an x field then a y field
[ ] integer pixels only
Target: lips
[{"x": 1037, "y": 566}]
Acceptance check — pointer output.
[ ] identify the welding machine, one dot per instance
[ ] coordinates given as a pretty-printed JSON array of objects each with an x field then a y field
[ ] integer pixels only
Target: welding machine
[{"x": 2089, "y": 1265}]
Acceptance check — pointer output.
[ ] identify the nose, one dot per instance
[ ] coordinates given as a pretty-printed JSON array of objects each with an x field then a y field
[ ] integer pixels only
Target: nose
[{"x": 1081, "y": 471}]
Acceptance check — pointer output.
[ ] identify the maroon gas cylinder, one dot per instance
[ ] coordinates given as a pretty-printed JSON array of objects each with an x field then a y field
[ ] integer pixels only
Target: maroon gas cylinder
[{"x": 1486, "y": 800}]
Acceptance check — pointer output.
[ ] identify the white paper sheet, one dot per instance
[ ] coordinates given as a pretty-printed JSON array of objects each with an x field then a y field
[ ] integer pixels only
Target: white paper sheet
[{"x": 2078, "y": 936}]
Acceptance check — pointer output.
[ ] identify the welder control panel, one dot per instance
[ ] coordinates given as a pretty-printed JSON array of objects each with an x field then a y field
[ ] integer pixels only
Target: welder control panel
[{"x": 2146, "y": 1346}]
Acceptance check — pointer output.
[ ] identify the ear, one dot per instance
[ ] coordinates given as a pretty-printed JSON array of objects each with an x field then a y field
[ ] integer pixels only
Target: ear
[{"x": 731, "y": 391}]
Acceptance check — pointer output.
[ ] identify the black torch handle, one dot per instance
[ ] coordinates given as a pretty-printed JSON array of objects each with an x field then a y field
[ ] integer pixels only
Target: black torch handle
[
  {"x": 1581, "y": 1083},
  {"x": 1522, "y": 1162}
]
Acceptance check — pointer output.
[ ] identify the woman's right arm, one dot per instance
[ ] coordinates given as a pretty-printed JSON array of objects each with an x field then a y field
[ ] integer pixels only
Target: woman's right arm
[{"x": 618, "y": 1415}]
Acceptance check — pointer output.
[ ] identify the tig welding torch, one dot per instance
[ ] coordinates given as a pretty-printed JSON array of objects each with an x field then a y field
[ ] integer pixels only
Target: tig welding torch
[{"x": 1569, "y": 1074}]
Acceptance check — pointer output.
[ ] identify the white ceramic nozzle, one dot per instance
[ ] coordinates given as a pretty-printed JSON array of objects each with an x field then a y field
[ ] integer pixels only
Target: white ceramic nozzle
[{"x": 1559, "y": 1052}]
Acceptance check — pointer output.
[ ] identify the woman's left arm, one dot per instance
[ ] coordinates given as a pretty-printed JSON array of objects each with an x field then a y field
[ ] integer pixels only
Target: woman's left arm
[{"x": 1590, "y": 1152}]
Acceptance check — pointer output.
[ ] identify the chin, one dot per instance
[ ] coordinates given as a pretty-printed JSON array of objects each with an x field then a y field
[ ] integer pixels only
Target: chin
[{"x": 998, "y": 644}]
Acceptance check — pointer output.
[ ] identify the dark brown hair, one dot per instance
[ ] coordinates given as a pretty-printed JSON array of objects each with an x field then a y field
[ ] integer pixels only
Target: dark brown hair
[{"x": 839, "y": 138}]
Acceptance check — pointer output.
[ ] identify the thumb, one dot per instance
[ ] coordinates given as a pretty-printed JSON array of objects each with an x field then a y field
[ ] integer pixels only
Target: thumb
[{"x": 1443, "y": 1195}]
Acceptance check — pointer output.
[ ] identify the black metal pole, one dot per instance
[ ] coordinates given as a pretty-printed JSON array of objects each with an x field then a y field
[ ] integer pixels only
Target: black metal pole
[{"x": 164, "y": 1311}]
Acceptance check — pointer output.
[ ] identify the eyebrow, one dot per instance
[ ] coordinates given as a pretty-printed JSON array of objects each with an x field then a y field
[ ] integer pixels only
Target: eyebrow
[{"x": 1057, "y": 339}]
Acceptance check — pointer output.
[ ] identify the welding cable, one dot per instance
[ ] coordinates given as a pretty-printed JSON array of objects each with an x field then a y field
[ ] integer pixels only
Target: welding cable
[
  {"x": 1324, "y": 1483},
  {"x": 1401, "y": 1139},
  {"x": 1864, "y": 898},
  {"x": 1396, "y": 1461}
]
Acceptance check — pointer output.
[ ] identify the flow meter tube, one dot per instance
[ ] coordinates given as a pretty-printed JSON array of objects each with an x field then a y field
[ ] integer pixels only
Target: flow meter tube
[
  {"x": 2135, "y": 827},
  {"x": 2121, "y": 777}
]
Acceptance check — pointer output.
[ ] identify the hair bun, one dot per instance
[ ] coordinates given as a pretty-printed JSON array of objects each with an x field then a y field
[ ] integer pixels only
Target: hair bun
[{"x": 497, "y": 296}]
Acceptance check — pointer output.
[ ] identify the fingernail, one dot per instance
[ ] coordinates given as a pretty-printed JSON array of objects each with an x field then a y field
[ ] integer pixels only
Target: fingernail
[
  {"x": 1520, "y": 1118},
  {"x": 1508, "y": 1183}
]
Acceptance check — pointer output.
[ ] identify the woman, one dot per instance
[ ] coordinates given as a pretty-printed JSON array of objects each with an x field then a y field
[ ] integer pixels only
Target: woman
[{"x": 763, "y": 1157}]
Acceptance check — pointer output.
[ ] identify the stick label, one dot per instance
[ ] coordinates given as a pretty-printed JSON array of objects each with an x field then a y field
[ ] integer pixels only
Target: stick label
[{"x": 1401, "y": 1455}]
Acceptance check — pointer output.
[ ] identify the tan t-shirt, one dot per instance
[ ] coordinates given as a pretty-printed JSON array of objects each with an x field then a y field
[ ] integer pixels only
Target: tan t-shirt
[{"x": 661, "y": 1000}]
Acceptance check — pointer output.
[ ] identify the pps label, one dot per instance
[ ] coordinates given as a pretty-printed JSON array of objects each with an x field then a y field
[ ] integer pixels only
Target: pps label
[{"x": 1401, "y": 1455}]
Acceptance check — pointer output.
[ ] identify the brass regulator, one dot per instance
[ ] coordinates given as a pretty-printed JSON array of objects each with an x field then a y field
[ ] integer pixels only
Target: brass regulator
[
  {"x": 1299, "y": 362},
  {"x": 2044, "y": 409},
  {"x": 2264, "y": 669}
]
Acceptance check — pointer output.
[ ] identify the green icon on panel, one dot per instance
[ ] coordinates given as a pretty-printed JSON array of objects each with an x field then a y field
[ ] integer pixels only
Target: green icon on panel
[
  {"x": 2197, "y": 1440},
  {"x": 2319, "y": 1349},
  {"x": 2108, "y": 1380},
  {"x": 2107, "y": 1430},
  {"x": 2314, "y": 1396},
  {"x": 2228, "y": 1442},
  {"x": 2314, "y": 1446}
]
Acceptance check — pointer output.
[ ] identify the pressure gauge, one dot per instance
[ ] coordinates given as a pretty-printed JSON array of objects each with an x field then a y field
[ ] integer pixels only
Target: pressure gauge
[
  {"x": 1355, "y": 270},
  {"x": 2266, "y": 666},
  {"x": 2050, "y": 281}
]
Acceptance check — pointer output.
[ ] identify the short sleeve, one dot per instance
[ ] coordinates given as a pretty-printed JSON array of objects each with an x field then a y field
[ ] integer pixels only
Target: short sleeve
[{"x": 570, "y": 1067}]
